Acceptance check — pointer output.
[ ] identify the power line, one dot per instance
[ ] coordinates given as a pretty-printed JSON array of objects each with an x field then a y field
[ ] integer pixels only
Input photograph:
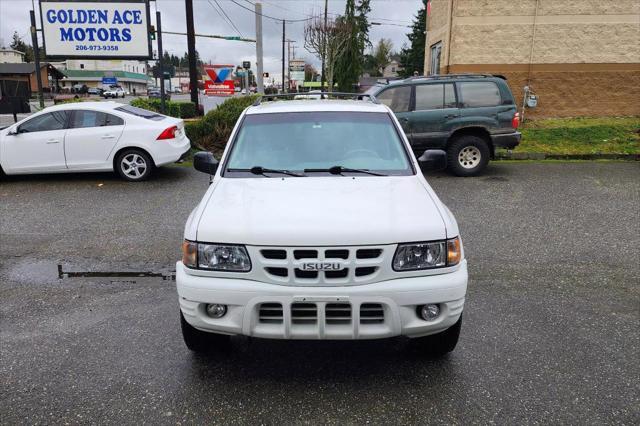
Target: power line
[
  {"x": 267, "y": 16},
  {"x": 225, "y": 16}
]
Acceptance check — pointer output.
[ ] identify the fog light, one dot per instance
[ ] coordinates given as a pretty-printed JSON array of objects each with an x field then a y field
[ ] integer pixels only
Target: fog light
[
  {"x": 216, "y": 310},
  {"x": 430, "y": 312}
]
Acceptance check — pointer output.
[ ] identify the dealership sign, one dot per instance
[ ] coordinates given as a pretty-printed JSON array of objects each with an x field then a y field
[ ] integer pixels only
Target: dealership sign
[{"x": 100, "y": 29}]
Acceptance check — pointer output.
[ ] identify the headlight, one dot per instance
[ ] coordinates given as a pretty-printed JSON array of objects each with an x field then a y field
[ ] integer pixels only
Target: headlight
[
  {"x": 216, "y": 257},
  {"x": 414, "y": 256}
]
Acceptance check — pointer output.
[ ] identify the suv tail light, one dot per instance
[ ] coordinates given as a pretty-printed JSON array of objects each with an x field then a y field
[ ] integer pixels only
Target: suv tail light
[
  {"x": 168, "y": 133},
  {"x": 515, "y": 122}
]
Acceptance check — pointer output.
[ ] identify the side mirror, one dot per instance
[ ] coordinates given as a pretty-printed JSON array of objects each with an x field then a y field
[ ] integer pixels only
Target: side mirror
[
  {"x": 433, "y": 160},
  {"x": 204, "y": 162}
]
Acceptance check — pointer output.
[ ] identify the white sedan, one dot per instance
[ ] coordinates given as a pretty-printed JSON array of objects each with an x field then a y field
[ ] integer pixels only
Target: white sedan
[{"x": 92, "y": 137}]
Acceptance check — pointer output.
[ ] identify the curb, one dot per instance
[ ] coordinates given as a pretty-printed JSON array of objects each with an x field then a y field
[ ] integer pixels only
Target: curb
[{"x": 541, "y": 156}]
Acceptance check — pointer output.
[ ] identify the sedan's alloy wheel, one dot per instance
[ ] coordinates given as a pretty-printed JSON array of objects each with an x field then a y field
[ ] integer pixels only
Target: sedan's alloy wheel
[{"x": 133, "y": 165}]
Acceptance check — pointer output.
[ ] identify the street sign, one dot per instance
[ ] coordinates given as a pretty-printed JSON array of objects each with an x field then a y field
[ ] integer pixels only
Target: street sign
[
  {"x": 246, "y": 65},
  {"x": 109, "y": 81},
  {"x": 114, "y": 29}
]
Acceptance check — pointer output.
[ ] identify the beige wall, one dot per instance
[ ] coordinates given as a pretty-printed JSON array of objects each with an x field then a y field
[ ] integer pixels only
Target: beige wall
[{"x": 568, "y": 31}]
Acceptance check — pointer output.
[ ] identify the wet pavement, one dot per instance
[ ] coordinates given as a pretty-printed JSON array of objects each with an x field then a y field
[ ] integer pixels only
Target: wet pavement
[{"x": 550, "y": 331}]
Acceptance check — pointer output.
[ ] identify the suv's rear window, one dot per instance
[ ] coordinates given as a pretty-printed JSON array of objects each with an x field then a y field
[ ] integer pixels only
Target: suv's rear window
[
  {"x": 479, "y": 94},
  {"x": 139, "y": 112}
]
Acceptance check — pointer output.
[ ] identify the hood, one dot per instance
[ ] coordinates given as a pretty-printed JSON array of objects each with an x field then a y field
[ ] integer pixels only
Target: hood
[{"x": 320, "y": 211}]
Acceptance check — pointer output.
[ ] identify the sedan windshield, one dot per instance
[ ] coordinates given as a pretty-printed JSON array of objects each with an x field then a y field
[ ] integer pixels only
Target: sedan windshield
[{"x": 319, "y": 143}]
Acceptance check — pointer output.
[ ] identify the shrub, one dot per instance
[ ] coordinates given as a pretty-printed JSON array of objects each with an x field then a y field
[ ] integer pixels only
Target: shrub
[
  {"x": 212, "y": 131},
  {"x": 172, "y": 109}
]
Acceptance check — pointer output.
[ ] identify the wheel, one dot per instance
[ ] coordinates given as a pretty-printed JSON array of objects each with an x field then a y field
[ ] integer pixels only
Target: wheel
[
  {"x": 134, "y": 165},
  {"x": 440, "y": 344},
  {"x": 468, "y": 155},
  {"x": 200, "y": 341}
]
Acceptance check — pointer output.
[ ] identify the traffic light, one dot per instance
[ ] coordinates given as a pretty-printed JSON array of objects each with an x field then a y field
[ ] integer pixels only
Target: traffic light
[{"x": 152, "y": 32}]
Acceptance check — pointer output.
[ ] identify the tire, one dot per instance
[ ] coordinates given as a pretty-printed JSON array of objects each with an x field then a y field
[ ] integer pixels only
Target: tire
[
  {"x": 134, "y": 165},
  {"x": 468, "y": 155},
  {"x": 438, "y": 345},
  {"x": 200, "y": 341}
]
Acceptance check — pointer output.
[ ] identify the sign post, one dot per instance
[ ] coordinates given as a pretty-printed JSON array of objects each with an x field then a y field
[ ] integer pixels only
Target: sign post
[
  {"x": 117, "y": 29},
  {"x": 160, "y": 62},
  {"x": 36, "y": 54}
]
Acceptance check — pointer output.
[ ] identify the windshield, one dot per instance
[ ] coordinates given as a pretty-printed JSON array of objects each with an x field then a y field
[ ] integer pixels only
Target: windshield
[
  {"x": 139, "y": 112},
  {"x": 318, "y": 141}
]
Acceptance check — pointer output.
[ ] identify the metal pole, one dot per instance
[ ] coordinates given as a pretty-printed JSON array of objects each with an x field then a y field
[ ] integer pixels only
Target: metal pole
[
  {"x": 36, "y": 54},
  {"x": 289, "y": 64},
  {"x": 283, "y": 34},
  {"x": 324, "y": 45},
  {"x": 191, "y": 48},
  {"x": 259, "y": 69},
  {"x": 160, "y": 62}
]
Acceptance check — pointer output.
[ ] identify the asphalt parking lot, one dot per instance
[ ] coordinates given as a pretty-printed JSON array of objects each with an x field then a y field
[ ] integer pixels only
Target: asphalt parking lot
[{"x": 550, "y": 331}]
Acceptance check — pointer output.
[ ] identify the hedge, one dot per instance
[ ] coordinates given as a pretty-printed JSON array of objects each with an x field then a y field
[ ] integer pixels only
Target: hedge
[
  {"x": 212, "y": 131},
  {"x": 173, "y": 109}
]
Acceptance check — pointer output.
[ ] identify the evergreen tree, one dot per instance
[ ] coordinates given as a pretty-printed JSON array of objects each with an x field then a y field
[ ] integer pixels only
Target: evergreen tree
[
  {"x": 412, "y": 57},
  {"x": 350, "y": 64}
]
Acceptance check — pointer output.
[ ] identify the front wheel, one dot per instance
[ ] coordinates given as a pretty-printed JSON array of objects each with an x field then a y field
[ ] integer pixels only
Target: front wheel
[
  {"x": 200, "y": 341},
  {"x": 468, "y": 155},
  {"x": 134, "y": 165},
  {"x": 440, "y": 344}
]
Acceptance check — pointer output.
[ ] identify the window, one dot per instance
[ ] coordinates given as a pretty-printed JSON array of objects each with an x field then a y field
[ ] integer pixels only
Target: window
[
  {"x": 81, "y": 66},
  {"x": 46, "y": 122},
  {"x": 86, "y": 118},
  {"x": 436, "y": 52},
  {"x": 479, "y": 94},
  {"x": 318, "y": 140},
  {"x": 435, "y": 96},
  {"x": 139, "y": 112},
  {"x": 396, "y": 98}
]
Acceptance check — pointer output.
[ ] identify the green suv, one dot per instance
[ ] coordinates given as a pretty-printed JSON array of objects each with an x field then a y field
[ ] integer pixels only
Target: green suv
[{"x": 468, "y": 115}]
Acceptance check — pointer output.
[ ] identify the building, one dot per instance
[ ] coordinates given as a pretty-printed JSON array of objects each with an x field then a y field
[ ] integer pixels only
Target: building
[
  {"x": 11, "y": 56},
  {"x": 579, "y": 57},
  {"x": 392, "y": 69},
  {"x": 130, "y": 75},
  {"x": 18, "y": 82}
]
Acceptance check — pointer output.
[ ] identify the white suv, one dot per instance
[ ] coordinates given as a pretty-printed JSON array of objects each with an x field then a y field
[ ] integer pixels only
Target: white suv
[{"x": 319, "y": 224}]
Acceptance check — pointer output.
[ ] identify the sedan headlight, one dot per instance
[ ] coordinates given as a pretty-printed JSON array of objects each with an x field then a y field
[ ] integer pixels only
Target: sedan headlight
[
  {"x": 436, "y": 254},
  {"x": 216, "y": 257}
]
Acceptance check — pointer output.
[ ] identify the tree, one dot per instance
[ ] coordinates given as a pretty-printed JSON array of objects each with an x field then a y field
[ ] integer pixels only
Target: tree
[
  {"x": 412, "y": 57},
  {"x": 350, "y": 64},
  {"x": 18, "y": 44},
  {"x": 330, "y": 39},
  {"x": 382, "y": 54},
  {"x": 310, "y": 72}
]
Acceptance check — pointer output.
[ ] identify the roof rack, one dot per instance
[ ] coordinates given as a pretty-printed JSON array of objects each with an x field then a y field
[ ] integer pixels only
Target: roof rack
[
  {"x": 323, "y": 95},
  {"x": 438, "y": 77}
]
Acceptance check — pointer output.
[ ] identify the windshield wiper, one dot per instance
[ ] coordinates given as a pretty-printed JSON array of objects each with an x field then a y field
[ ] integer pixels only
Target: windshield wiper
[
  {"x": 338, "y": 170},
  {"x": 257, "y": 170}
]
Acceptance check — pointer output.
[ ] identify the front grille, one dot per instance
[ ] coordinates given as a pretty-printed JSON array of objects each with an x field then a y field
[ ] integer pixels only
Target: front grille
[
  {"x": 270, "y": 313},
  {"x": 337, "y": 313},
  {"x": 371, "y": 313},
  {"x": 358, "y": 265},
  {"x": 304, "y": 313}
]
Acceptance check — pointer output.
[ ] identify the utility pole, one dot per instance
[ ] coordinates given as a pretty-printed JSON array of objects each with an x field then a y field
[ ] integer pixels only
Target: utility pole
[
  {"x": 259, "y": 69},
  {"x": 160, "y": 62},
  {"x": 283, "y": 41},
  {"x": 36, "y": 53},
  {"x": 191, "y": 50},
  {"x": 324, "y": 45}
]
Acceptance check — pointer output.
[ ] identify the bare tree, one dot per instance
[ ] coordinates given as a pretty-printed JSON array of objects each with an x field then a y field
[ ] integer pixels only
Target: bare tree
[{"x": 329, "y": 39}]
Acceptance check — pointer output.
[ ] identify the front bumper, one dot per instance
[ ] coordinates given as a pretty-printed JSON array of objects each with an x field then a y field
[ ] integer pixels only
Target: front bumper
[
  {"x": 397, "y": 299},
  {"x": 506, "y": 140}
]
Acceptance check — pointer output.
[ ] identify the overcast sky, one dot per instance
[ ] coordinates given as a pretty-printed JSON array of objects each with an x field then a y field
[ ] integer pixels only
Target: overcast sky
[{"x": 14, "y": 16}]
